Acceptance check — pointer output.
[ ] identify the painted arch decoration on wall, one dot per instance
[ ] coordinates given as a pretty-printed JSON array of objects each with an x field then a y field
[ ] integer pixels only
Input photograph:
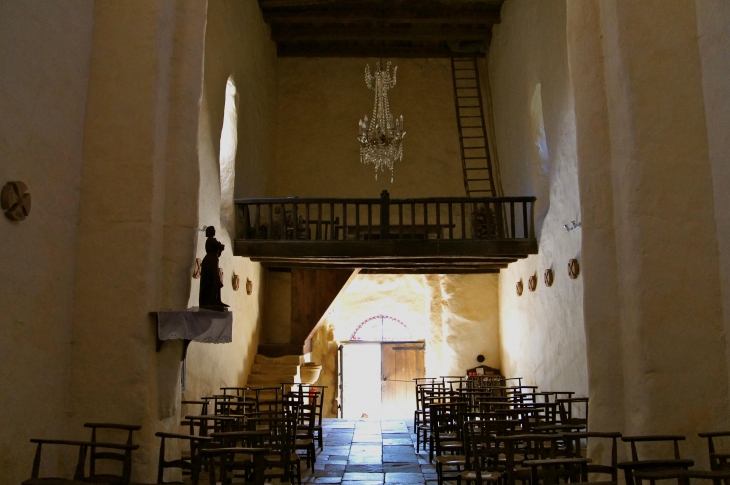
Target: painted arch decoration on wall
[{"x": 382, "y": 328}]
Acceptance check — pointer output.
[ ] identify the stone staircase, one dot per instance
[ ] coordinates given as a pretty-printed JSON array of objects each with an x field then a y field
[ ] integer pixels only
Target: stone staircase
[{"x": 274, "y": 371}]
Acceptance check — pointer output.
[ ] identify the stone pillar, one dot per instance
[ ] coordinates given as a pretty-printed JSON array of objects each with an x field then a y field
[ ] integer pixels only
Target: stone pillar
[
  {"x": 656, "y": 345},
  {"x": 142, "y": 53}
]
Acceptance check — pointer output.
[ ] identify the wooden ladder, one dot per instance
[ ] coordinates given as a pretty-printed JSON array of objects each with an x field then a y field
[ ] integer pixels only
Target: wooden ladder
[{"x": 475, "y": 160}]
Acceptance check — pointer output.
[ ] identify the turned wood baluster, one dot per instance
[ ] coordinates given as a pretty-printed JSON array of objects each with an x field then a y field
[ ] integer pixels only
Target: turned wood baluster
[
  {"x": 463, "y": 221},
  {"x": 400, "y": 221},
  {"x": 384, "y": 215},
  {"x": 451, "y": 222},
  {"x": 512, "y": 219}
]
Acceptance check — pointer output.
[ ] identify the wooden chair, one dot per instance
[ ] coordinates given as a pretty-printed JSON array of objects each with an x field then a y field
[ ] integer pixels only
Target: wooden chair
[
  {"x": 78, "y": 477},
  {"x": 282, "y": 461},
  {"x": 521, "y": 447},
  {"x": 125, "y": 456},
  {"x": 482, "y": 452},
  {"x": 574, "y": 444},
  {"x": 305, "y": 433},
  {"x": 189, "y": 463},
  {"x": 566, "y": 410},
  {"x": 552, "y": 470},
  {"x": 636, "y": 464},
  {"x": 718, "y": 461},
  {"x": 315, "y": 395},
  {"x": 683, "y": 477},
  {"x": 222, "y": 459}
]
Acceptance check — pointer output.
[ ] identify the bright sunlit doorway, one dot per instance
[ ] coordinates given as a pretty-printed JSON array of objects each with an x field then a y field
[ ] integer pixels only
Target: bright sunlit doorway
[{"x": 377, "y": 368}]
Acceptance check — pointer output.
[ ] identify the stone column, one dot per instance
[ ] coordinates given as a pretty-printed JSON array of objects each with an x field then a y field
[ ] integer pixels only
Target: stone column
[
  {"x": 142, "y": 53},
  {"x": 656, "y": 343}
]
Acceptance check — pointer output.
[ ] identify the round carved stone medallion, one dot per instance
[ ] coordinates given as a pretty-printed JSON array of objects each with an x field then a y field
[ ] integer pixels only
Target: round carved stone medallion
[{"x": 15, "y": 201}]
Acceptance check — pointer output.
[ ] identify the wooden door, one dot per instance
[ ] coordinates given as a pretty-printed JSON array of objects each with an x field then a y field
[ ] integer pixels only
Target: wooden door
[{"x": 400, "y": 364}]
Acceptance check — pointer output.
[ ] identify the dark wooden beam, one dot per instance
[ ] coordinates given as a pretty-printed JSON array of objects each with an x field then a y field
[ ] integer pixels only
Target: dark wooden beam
[
  {"x": 519, "y": 248},
  {"x": 389, "y": 260},
  {"x": 368, "y": 33},
  {"x": 401, "y": 50},
  {"x": 421, "y": 11},
  {"x": 397, "y": 264},
  {"x": 429, "y": 271}
]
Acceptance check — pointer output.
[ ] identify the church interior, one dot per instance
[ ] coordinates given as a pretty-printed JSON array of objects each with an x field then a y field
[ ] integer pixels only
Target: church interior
[{"x": 577, "y": 236}]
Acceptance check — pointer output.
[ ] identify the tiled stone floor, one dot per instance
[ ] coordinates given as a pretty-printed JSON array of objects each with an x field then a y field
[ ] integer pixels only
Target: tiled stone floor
[{"x": 369, "y": 452}]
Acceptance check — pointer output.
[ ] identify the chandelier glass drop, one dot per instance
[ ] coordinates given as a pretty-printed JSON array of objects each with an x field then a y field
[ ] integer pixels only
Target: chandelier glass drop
[{"x": 381, "y": 138}]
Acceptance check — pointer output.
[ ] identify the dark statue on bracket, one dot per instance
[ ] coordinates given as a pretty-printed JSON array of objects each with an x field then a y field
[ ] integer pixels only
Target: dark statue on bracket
[{"x": 210, "y": 280}]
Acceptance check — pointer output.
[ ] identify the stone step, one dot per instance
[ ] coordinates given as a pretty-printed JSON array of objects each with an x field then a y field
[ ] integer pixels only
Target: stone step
[
  {"x": 281, "y": 369},
  {"x": 287, "y": 359},
  {"x": 270, "y": 380}
]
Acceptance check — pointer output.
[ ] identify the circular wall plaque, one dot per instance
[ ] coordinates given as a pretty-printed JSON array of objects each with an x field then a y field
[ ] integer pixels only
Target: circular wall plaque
[
  {"x": 15, "y": 201},
  {"x": 549, "y": 277},
  {"x": 519, "y": 288},
  {"x": 573, "y": 269},
  {"x": 532, "y": 282}
]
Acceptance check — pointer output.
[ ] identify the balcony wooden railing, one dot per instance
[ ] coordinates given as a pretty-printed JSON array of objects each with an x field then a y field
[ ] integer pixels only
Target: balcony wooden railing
[{"x": 426, "y": 219}]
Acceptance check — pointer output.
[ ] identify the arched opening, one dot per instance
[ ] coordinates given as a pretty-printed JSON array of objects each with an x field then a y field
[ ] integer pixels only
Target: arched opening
[
  {"x": 378, "y": 366},
  {"x": 382, "y": 328},
  {"x": 227, "y": 158}
]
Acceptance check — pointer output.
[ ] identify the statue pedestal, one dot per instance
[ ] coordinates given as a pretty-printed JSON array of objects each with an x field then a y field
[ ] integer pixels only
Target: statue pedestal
[{"x": 194, "y": 324}]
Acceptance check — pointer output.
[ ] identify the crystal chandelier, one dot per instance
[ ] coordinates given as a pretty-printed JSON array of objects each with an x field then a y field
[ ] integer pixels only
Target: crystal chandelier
[{"x": 380, "y": 138}]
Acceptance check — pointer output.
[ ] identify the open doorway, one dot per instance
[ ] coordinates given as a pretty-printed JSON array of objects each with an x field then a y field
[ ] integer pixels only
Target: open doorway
[{"x": 377, "y": 368}]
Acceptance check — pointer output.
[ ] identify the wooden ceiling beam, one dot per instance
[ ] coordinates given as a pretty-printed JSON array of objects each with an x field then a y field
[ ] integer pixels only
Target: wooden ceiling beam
[
  {"x": 319, "y": 49},
  {"x": 397, "y": 264},
  {"x": 429, "y": 271},
  {"x": 383, "y": 261},
  {"x": 355, "y": 33}
]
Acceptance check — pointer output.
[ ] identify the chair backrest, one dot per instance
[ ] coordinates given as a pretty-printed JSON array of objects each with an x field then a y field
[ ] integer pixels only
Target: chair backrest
[
  {"x": 718, "y": 460},
  {"x": 124, "y": 456},
  {"x": 652, "y": 439},
  {"x": 575, "y": 449},
  {"x": 314, "y": 395},
  {"x": 481, "y": 445},
  {"x": 520, "y": 447},
  {"x": 189, "y": 466},
  {"x": 569, "y": 412},
  {"x": 683, "y": 477}
]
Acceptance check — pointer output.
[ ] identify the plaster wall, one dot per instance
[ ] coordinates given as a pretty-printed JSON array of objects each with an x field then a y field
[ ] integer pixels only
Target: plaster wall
[
  {"x": 456, "y": 316},
  {"x": 649, "y": 160},
  {"x": 713, "y": 28},
  {"x": 44, "y": 60},
  {"x": 542, "y": 333},
  {"x": 237, "y": 46},
  {"x": 320, "y": 103}
]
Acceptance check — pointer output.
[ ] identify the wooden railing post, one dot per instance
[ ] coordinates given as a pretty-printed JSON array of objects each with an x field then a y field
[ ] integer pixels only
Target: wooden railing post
[{"x": 384, "y": 215}]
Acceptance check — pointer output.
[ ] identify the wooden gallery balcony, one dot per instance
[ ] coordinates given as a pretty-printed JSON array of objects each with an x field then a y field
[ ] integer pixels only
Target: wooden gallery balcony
[{"x": 429, "y": 235}]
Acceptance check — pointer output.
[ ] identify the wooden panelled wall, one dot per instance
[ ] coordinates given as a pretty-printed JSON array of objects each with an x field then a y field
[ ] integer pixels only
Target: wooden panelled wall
[{"x": 312, "y": 292}]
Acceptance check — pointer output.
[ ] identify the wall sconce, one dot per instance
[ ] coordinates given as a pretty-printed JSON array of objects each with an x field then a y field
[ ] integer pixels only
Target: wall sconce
[
  {"x": 197, "y": 267},
  {"x": 519, "y": 288},
  {"x": 235, "y": 281},
  {"x": 249, "y": 286},
  {"x": 15, "y": 201},
  {"x": 549, "y": 277},
  {"x": 532, "y": 282},
  {"x": 573, "y": 227},
  {"x": 573, "y": 269}
]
